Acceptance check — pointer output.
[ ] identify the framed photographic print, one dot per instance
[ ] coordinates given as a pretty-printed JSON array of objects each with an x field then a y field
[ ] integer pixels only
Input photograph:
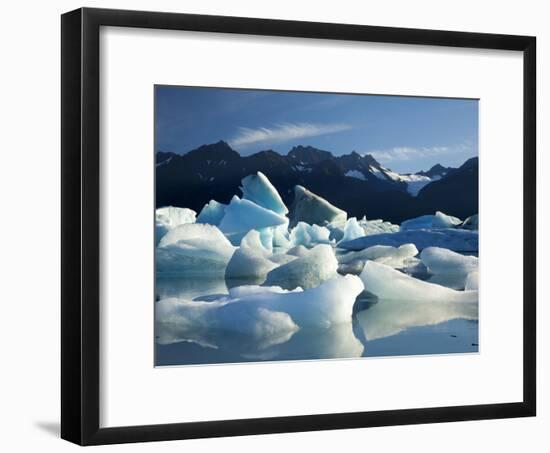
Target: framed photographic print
[{"x": 273, "y": 226}]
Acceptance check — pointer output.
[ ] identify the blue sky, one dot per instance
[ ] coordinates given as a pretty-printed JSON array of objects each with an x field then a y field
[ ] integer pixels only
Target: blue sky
[{"x": 406, "y": 134}]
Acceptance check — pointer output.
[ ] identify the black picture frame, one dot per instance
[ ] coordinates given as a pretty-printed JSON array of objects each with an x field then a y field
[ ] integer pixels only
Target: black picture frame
[{"x": 80, "y": 253}]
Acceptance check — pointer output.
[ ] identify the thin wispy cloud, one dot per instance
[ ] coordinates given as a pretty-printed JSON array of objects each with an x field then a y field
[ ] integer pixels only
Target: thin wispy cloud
[
  {"x": 282, "y": 133},
  {"x": 404, "y": 153}
]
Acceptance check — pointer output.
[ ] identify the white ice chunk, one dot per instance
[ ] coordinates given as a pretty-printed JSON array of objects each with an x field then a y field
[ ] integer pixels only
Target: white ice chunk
[
  {"x": 309, "y": 235},
  {"x": 251, "y": 260},
  {"x": 472, "y": 281},
  {"x": 212, "y": 213},
  {"x": 352, "y": 230},
  {"x": 396, "y": 257},
  {"x": 241, "y": 216},
  {"x": 193, "y": 248},
  {"x": 170, "y": 217},
  {"x": 445, "y": 221},
  {"x": 258, "y": 189},
  {"x": 388, "y": 283},
  {"x": 453, "y": 239},
  {"x": 327, "y": 304},
  {"x": 311, "y": 208},
  {"x": 471, "y": 223},
  {"x": 298, "y": 250},
  {"x": 439, "y": 220},
  {"x": 307, "y": 271},
  {"x": 377, "y": 226},
  {"x": 208, "y": 323},
  {"x": 443, "y": 261}
]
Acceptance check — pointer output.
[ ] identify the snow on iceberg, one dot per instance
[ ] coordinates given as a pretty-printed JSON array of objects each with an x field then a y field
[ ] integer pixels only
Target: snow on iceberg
[
  {"x": 388, "y": 283},
  {"x": 212, "y": 213},
  {"x": 452, "y": 239},
  {"x": 170, "y": 217},
  {"x": 390, "y": 317},
  {"x": 439, "y": 220},
  {"x": 241, "y": 216},
  {"x": 193, "y": 248},
  {"x": 251, "y": 259},
  {"x": 311, "y": 208},
  {"x": 443, "y": 261},
  {"x": 309, "y": 235},
  {"x": 307, "y": 271},
  {"x": 258, "y": 189}
]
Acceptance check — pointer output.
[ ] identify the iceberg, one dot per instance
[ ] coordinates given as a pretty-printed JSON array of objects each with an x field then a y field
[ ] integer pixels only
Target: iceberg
[
  {"x": 309, "y": 235},
  {"x": 251, "y": 259},
  {"x": 258, "y": 189},
  {"x": 307, "y": 271},
  {"x": 472, "y": 281},
  {"x": 453, "y": 239},
  {"x": 212, "y": 213},
  {"x": 241, "y": 216},
  {"x": 377, "y": 226},
  {"x": 193, "y": 248},
  {"x": 388, "y": 283},
  {"x": 352, "y": 230},
  {"x": 443, "y": 261},
  {"x": 437, "y": 221},
  {"x": 396, "y": 257},
  {"x": 170, "y": 217},
  {"x": 370, "y": 227},
  {"x": 471, "y": 223},
  {"x": 311, "y": 208},
  {"x": 328, "y": 304},
  {"x": 210, "y": 324}
]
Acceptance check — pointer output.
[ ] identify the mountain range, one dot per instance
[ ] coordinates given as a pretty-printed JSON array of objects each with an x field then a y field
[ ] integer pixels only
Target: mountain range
[{"x": 356, "y": 183}]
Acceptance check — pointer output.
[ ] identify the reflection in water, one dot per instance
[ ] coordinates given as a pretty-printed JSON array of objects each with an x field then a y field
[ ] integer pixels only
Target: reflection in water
[
  {"x": 390, "y": 317},
  {"x": 378, "y": 328}
]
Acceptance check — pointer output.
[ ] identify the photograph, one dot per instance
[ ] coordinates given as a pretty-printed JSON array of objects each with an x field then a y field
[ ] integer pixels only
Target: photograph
[{"x": 293, "y": 225}]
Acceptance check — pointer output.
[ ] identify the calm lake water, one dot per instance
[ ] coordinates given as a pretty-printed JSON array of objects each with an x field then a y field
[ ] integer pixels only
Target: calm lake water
[{"x": 378, "y": 328}]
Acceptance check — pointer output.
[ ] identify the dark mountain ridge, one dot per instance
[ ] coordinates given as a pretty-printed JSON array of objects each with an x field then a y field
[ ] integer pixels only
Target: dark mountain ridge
[{"x": 358, "y": 184}]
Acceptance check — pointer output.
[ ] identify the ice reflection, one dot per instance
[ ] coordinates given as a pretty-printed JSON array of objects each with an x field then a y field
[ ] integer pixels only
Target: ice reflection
[
  {"x": 390, "y": 317},
  {"x": 378, "y": 328}
]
